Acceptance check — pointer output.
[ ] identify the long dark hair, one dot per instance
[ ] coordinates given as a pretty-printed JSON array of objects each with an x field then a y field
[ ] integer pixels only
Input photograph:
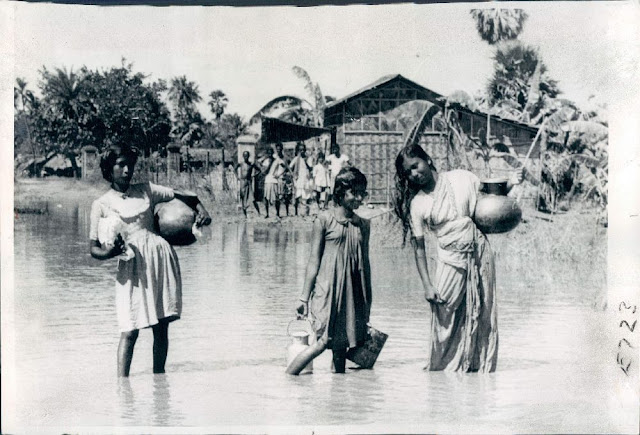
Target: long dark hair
[
  {"x": 406, "y": 190},
  {"x": 108, "y": 160}
]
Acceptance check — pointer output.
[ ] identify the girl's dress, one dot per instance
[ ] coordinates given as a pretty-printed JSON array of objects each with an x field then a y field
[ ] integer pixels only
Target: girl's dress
[
  {"x": 464, "y": 331},
  {"x": 272, "y": 183},
  {"x": 148, "y": 286},
  {"x": 341, "y": 300},
  {"x": 302, "y": 178}
]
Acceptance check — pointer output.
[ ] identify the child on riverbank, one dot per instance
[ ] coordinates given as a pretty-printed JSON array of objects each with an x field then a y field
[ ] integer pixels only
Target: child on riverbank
[
  {"x": 321, "y": 181},
  {"x": 337, "y": 288}
]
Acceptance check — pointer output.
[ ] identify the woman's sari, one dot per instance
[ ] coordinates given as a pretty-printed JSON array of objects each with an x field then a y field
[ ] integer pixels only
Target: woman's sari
[{"x": 464, "y": 330}]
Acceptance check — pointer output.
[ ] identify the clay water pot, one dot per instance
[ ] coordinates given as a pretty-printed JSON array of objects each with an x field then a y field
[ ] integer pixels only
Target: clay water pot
[
  {"x": 495, "y": 211},
  {"x": 174, "y": 221}
]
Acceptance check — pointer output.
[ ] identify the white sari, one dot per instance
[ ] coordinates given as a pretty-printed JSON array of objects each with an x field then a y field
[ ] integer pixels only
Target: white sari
[{"x": 464, "y": 330}]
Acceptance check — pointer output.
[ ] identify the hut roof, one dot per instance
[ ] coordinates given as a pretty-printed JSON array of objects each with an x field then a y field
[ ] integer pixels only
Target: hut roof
[
  {"x": 423, "y": 93},
  {"x": 383, "y": 81},
  {"x": 276, "y": 130},
  {"x": 59, "y": 161}
]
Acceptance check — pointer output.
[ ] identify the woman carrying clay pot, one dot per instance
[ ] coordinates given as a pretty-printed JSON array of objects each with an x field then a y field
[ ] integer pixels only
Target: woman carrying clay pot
[
  {"x": 148, "y": 281},
  {"x": 464, "y": 328}
]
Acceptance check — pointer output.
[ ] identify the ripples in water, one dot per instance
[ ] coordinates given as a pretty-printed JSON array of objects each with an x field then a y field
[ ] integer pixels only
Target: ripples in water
[{"x": 227, "y": 353}]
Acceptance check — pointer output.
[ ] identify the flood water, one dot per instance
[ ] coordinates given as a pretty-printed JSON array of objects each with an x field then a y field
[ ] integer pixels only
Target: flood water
[{"x": 227, "y": 353}]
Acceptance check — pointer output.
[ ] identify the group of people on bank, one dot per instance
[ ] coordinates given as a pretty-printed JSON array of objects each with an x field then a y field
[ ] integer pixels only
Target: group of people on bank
[
  {"x": 337, "y": 291},
  {"x": 275, "y": 181}
]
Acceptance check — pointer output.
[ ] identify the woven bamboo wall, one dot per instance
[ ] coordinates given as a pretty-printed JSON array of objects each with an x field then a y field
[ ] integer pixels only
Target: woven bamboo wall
[{"x": 374, "y": 154}]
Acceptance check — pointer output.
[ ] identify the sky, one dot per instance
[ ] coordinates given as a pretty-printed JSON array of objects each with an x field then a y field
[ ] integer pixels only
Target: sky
[{"x": 249, "y": 52}]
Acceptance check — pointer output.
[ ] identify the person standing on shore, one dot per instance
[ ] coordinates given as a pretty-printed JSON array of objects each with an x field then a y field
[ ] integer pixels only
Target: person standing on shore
[
  {"x": 337, "y": 286},
  {"x": 273, "y": 181},
  {"x": 321, "y": 182},
  {"x": 337, "y": 161},
  {"x": 301, "y": 177},
  {"x": 246, "y": 173},
  {"x": 464, "y": 319},
  {"x": 148, "y": 283}
]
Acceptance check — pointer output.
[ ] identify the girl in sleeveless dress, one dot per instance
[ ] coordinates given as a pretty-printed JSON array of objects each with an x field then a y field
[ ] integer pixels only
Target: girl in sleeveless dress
[
  {"x": 337, "y": 288},
  {"x": 148, "y": 282}
]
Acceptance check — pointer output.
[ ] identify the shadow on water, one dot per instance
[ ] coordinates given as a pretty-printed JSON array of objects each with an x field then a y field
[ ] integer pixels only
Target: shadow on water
[{"x": 227, "y": 354}]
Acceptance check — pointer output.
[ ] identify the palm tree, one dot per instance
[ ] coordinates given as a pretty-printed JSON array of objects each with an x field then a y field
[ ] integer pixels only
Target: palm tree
[
  {"x": 26, "y": 101},
  {"x": 498, "y": 25},
  {"x": 184, "y": 94},
  {"x": 63, "y": 90},
  {"x": 66, "y": 107},
  {"x": 313, "y": 89},
  {"x": 217, "y": 102},
  {"x": 521, "y": 77}
]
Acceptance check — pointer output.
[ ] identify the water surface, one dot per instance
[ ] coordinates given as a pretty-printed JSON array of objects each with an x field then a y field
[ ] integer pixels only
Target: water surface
[{"x": 227, "y": 353}]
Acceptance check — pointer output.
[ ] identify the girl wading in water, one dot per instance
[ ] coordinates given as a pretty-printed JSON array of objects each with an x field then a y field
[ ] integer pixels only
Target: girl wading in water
[
  {"x": 464, "y": 325},
  {"x": 337, "y": 287},
  {"x": 148, "y": 285}
]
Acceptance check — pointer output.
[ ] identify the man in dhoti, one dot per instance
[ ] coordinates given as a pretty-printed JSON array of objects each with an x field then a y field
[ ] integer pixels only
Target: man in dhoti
[{"x": 246, "y": 173}]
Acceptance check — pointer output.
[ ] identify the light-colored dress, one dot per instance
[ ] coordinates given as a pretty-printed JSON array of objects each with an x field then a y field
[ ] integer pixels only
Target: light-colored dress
[
  {"x": 272, "y": 182},
  {"x": 340, "y": 303},
  {"x": 464, "y": 331},
  {"x": 148, "y": 286},
  {"x": 302, "y": 178},
  {"x": 335, "y": 166}
]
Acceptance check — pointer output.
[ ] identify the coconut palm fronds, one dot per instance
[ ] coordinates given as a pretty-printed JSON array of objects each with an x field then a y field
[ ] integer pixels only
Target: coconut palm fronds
[
  {"x": 414, "y": 135},
  {"x": 496, "y": 25}
]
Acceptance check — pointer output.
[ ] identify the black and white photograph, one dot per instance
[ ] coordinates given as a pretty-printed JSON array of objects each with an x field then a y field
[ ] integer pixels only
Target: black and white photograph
[{"x": 320, "y": 217}]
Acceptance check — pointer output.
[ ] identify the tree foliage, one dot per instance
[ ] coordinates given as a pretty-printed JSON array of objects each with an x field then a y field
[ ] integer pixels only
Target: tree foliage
[
  {"x": 498, "y": 25},
  {"x": 514, "y": 68},
  {"x": 287, "y": 108},
  {"x": 217, "y": 103},
  {"x": 99, "y": 108},
  {"x": 314, "y": 91},
  {"x": 188, "y": 122}
]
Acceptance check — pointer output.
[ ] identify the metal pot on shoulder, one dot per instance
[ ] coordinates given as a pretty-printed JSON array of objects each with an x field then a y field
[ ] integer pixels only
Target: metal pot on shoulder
[{"x": 496, "y": 212}]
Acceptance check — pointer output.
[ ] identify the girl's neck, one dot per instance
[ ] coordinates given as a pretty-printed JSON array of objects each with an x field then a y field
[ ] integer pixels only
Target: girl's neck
[
  {"x": 122, "y": 188},
  {"x": 341, "y": 212},
  {"x": 430, "y": 188}
]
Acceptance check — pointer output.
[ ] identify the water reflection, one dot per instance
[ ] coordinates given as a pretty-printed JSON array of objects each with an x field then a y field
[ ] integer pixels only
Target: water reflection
[
  {"x": 128, "y": 409},
  {"x": 240, "y": 285},
  {"x": 164, "y": 413}
]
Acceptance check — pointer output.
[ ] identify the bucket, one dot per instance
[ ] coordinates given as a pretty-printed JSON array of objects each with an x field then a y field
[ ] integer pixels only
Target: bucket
[{"x": 299, "y": 341}]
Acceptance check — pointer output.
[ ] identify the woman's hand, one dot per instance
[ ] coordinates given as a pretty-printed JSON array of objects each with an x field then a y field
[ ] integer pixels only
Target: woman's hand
[
  {"x": 101, "y": 253},
  {"x": 517, "y": 176},
  {"x": 202, "y": 216},
  {"x": 302, "y": 310},
  {"x": 119, "y": 246},
  {"x": 431, "y": 296}
]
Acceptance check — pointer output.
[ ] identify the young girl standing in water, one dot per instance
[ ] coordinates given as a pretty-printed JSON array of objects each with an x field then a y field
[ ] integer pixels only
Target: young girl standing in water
[
  {"x": 148, "y": 285},
  {"x": 337, "y": 288}
]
